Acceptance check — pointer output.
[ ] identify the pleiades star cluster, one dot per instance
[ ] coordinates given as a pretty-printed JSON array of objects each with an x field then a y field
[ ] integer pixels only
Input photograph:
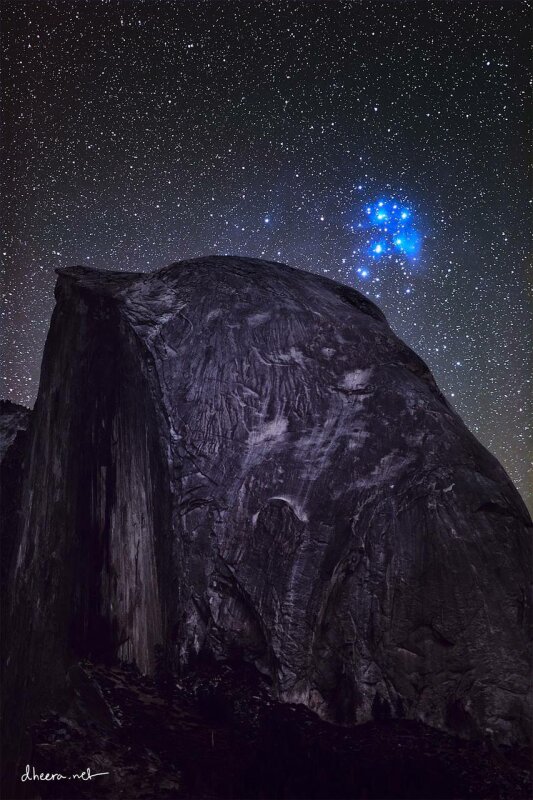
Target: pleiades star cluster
[
  {"x": 383, "y": 144},
  {"x": 394, "y": 236}
]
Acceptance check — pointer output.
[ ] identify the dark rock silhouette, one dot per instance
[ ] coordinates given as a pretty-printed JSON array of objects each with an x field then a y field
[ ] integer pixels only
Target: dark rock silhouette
[
  {"x": 14, "y": 423},
  {"x": 235, "y": 458},
  {"x": 219, "y": 734}
]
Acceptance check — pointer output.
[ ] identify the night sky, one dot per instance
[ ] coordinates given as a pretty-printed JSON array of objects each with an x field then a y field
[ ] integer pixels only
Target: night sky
[{"x": 383, "y": 144}]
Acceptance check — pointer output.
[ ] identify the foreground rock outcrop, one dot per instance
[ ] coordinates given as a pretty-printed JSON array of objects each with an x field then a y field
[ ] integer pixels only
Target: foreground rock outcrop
[
  {"x": 219, "y": 734},
  {"x": 232, "y": 457}
]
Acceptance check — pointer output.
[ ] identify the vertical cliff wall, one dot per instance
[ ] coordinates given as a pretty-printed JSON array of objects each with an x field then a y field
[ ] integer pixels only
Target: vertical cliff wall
[
  {"x": 236, "y": 458},
  {"x": 94, "y": 502},
  {"x": 14, "y": 423}
]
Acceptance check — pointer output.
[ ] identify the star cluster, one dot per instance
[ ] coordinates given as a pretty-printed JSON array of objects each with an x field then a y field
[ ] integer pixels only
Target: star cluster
[
  {"x": 139, "y": 133},
  {"x": 391, "y": 238}
]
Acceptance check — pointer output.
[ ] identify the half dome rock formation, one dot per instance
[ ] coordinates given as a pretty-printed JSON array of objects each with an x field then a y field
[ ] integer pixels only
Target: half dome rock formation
[{"x": 237, "y": 459}]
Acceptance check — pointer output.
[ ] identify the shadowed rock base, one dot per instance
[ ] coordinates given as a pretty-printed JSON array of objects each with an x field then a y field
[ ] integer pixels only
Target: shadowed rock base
[{"x": 220, "y": 735}]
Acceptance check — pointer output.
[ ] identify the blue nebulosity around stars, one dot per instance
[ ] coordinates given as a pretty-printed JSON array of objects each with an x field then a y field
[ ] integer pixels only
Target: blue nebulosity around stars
[
  {"x": 389, "y": 239},
  {"x": 381, "y": 144}
]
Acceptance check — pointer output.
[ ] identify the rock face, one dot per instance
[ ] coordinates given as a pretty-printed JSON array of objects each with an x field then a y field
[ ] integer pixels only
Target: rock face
[
  {"x": 14, "y": 423},
  {"x": 236, "y": 458}
]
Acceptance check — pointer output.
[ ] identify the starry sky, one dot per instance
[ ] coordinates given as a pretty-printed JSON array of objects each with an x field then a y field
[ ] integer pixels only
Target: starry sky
[{"x": 383, "y": 144}]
